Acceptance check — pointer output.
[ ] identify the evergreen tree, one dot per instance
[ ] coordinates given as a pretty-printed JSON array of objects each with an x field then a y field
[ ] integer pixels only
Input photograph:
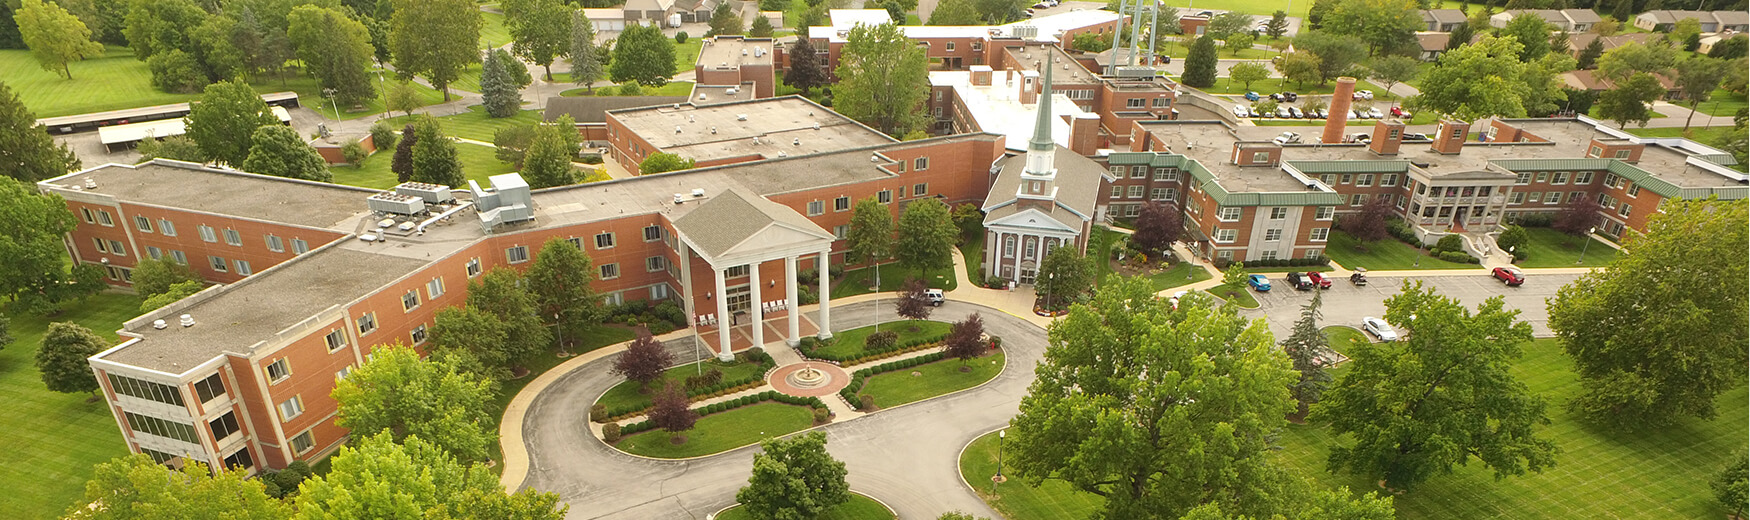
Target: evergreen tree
[
  {"x": 434, "y": 156},
  {"x": 278, "y": 150},
  {"x": 585, "y": 58},
  {"x": 1277, "y": 26},
  {"x": 498, "y": 90},
  {"x": 805, "y": 71},
  {"x": 402, "y": 162},
  {"x": 1460, "y": 36},
  {"x": 762, "y": 27},
  {"x": 1623, "y": 11},
  {"x": 1200, "y": 65},
  {"x": 434, "y": 39},
  {"x": 27, "y": 153},
  {"x": 62, "y": 358},
  {"x": 643, "y": 55},
  {"x": 724, "y": 21},
  {"x": 547, "y": 161},
  {"x": 55, "y": 37},
  {"x": 223, "y": 122},
  {"x": 1589, "y": 56},
  {"x": 1304, "y": 346}
]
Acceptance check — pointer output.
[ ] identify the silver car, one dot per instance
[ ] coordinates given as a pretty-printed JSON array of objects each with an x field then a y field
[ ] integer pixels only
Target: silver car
[{"x": 1379, "y": 328}]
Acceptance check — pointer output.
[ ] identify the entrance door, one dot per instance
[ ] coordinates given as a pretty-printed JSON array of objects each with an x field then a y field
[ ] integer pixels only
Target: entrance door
[
  {"x": 1027, "y": 275},
  {"x": 739, "y": 301}
]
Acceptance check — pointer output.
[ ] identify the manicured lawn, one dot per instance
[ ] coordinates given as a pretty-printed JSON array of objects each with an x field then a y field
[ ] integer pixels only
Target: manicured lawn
[
  {"x": 1052, "y": 499},
  {"x": 1241, "y": 295},
  {"x": 1599, "y": 474},
  {"x": 724, "y": 431},
  {"x": 310, "y": 95},
  {"x": 475, "y": 124},
  {"x": 492, "y": 31},
  {"x": 1704, "y": 135},
  {"x": 899, "y": 387},
  {"x": 673, "y": 88},
  {"x": 1594, "y": 113},
  {"x": 686, "y": 55},
  {"x": 1100, "y": 243},
  {"x": 972, "y": 254},
  {"x": 850, "y": 342},
  {"x": 1177, "y": 276},
  {"x": 1303, "y": 269},
  {"x": 1722, "y": 103},
  {"x": 627, "y": 392},
  {"x": 478, "y": 163},
  {"x": 1383, "y": 255},
  {"x": 1343, "y": 339},
  {"x": 893, "y": 277},
  {"x": 53, "y": 439},
  {"x": 1551, "y": 248},
  {"x": 859, "y": 507}
]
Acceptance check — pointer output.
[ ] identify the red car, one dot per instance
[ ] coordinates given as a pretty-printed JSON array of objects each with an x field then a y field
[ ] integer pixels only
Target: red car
[
  {"x": 1319, "y": 278},
  {"x": 1510, "y": 276}
]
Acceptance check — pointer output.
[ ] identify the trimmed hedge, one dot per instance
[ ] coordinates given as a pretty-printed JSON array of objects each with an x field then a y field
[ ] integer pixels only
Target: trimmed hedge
[
  {"x": 1322, "y": 260},
  {"x": 869, "y": 354},
  {"x": 746, "y": 400},
  {"x": 849, "y": 393},
  {"x": 719, "y": 389}
]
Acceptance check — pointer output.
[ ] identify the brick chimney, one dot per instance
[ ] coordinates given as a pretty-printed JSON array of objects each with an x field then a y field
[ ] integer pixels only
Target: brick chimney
[
  {"x": 1339, "y": 118},
  {"x": 1084, "y": 134},
  {"x": 1388, "y": 135},
  {"x": 1449, "y": 136},
  {"x": 981, "y": 75}
]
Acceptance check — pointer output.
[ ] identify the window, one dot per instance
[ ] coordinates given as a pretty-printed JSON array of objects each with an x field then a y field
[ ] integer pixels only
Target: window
[
  {"x": 1272, "y": 235},
  {"x": 1117, "y": 171},
  {"x": 410, "y": 300},
  {"x": 154, "y": 253},
  {"x": 1267, "y": 255},
  {"x": 179, "y": 256},
  {"x": 1596, "y": 151},
  {"x": 1634, "y": 189},
  {"x": 1390, "y": 179},
  {"x": 1624, "y": 210},
  {"x": 1132, "y": 210},
  {"x": 145, "y": 224},
  {"x": 1522, "y": 178},
  {"x": 1032, "y": 247},
  {"x": 1622, "y": 154},
  {"x": 434, "y": 288},
  {"x": 1542, "y": 176},
  {"x": 1228, "y": 214},
  {"x": 243, "y": 267},
  {"x": 1157, "y": 194},
  {"x": 1162, "y": 102},
  {"x": 276, "y": 244},
  {"x": 655, "y": 264},
  {"x": 1611, "y": 180},
  {"x": 165, "y": 227},
  {"x": 473, "y": 267},
  {"x": 335, "y": 339},
  {"x": 517, "y": 255},
  {"x": 1278, "y": 213},
  {"x": 1117, "y": 192},
  {"x": 816, "y": 208},
  {"x": 1009, "y": 246},
  {"x": 104, "y": 218},
  {"x": 921, "y": 163},
  {"x": 207, "y": 234},
  {"x": 367, "y": 323},
  {"x": 610, "y": 271},
  {"x": 303, "y": 443},
  {"x": 1574, "y": 196},
  {"x": 1517, "y": 198},
  {"x": 1324, "y": 212},
  {"x": 145, "y": 390},
  {"x": 1172, "y": 194},
  {"x": 1330, "y": 179},
  {"x": 278, "y": 371},
  {"x": 116, "y": 248},
  {"x": 1139, "y": 172},
  {"x": 224, "y": 426},
  {"x": 1135, "y": 103},
  {"x": 1534, "y": 197},
  {"x": 418, "y": 334},
  {"x": 1554, "y": 197},
  {"x": 1261, "y": 157},
  {"x": 217, "y": 263},
  {"x": 1226, "y": 235},
  {"x": 291, "y": 408},
  {"x": 840, "y": 232},
  {"x": 102, "y": 245},
  {"x": 159, "y": 457},
  {"x": 884, "y": 196},
  {"x": 90, "y": 218},
  {"x": 1136, "y": 192},
  {"x": 240, "y": 460},
  {"x": 1582, "y": 178},
  {"x": 918, "y": 190},
  {"x": 1357, "y": 199},
  {"x": 1319, "y": 234},
  {"x": 231, "y": 237},
  {"x": 1346, "y": 178},
  {"x": 162, "y": 428},
  {"x": 604, "y": 241},
  {"x": 977, "y": 46},
  {"x": 1560, "y": 178},
  {"x": 343, "y": 372},
  {"x": 1224, "y": 255},
  {"x": 841, "y": 204},
  {"x": 299, "y": 246},
  {"x": 121, "y": 273},
  {"x": 1364, "y": 180}
]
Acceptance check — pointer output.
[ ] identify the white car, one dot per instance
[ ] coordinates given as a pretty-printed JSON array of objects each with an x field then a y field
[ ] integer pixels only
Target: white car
[
  {"x": 1375, "y": 113},
  {"x": 1240, "y": 111},
  {"x": 1286, "y": 138},
  {"x": 1175, "y": 299},
  {"x": 1379, "y": 328},
  {"x": 1363, "y": 94},
  {"x": 935, "y": 297}
]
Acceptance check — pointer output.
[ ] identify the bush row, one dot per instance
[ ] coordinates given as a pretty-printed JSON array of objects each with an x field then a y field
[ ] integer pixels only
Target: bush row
[
  {"x": 600, "y": 413},
  {"x": 749, "y": 400},
  {"x": 665, "y": 315},
  {"x": 870, "y": 354},
  {"x": 849, "y": 392},
  {"x": 904, "y": 363}
]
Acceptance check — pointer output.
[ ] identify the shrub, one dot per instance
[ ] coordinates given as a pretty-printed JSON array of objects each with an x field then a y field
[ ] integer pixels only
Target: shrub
[
  {"x": 611, "y": 433},
  {"x": 353, "y": 153},
  {"x": 711, "y": 377},
  {"x": 1455, "y": 257},
  {"x": 1222, "y": 263},
  {"x": 881, "y": 340},
  {"x": 598, "y": 412},
  {"x": 631, "y": 88},
  {"x": 1537, "y": 219},
  {"x": 996, "y": 282},
  {"x": 866, "y": 402},
  {"x": 835, "y": 271},
  {"x": 680, "y": 37},
  {"x": 821, "y": 416},
  {"x": 758, "y": 355},
  {"x": 808, "y": 277},
  {"x": 382, "y": 135},
  {"x": 1450, "y": 243}
]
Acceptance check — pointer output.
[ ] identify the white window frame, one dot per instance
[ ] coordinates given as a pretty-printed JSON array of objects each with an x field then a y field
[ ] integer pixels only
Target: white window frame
[
  {"x": 299, "y": 246},
  {"x": 516, "y": 254},
  {"x": 1319, "y": 234},
  {"x": 1278, "y": 213},
  {"x": 166, "y": 227},
  {"x": 1223, "y": 214},
  {"x": 285, "y": 369},
  {"x": 243, "y": 267},
  {"x": 655, "y": 264},
  {"x": 1226, "y": 236},
  {"x": 609, "y": 271},
  {"x": 410, "y": 300},
  {"x": 1364, "y": 180},
  {"x": 275, "y": 243},
  {"x": 233, "y": 237},
  {"x": 604, "y": 240},
  {"x": 335, "y": 339},
  {"x": 920, "y": 164},
  {"x": 434, "y": 288},
  {"x": 473, "y": 267},
  {"x": 1325, "y": 213},
  {"x": 208, "y": 234},
  {"x": 105, "y": 219},
  {"x": 367, "y": 323},
  {"x": 1272, "y": 235},
  {"x": 218, "y": 264}
]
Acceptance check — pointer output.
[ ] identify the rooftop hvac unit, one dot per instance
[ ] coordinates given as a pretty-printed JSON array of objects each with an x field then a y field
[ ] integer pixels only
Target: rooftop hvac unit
[
  {"x": 698, "y": 192},
  {"x": 1135, "y": 72},
  {"x": 395, "y": 203},
  {"x": 90, "y": 183},
  {"x": 744, "y": 52},
  {"x": 1026, "y": 31},
  {"x": 187, "y": 320},
  {"x": 679, "y": 198},
  {"x": 701, "y": 97},
  {"x": 741, "y": 117},
  {"x": 732, "y": 91},
  {"x": 431, "y": 193}
]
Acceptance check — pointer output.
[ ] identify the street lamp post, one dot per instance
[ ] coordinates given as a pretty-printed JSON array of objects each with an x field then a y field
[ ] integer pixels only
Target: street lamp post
[
  {"x": 1051, "y": 279},
  {"x": 1001, "y": 434},
  {"x": 330, "y": 93},
  {"x": 1511, "y": 258},
  {"x": 1583, "y": 247}
]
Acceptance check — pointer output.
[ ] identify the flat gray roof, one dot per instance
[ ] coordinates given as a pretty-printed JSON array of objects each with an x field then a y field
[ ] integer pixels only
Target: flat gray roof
[
  {"x": 1069, "y": 71},
  {"x": 1211, "y": 144},
  {"x": 728, "y": 130},
  {"x": 734, "y": 52},
  {"x": 226, "y": 192}
]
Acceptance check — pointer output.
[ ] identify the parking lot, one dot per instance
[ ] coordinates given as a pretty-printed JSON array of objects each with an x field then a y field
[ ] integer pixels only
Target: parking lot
[{"x": 1346, "y": 304}]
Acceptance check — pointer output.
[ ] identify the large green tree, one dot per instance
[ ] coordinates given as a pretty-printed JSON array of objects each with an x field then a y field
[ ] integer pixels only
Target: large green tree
[
  {"x": 1697, "y": 77},
  {"x": 499, "y": 91},
  {"x": 1487, "y": 79},
  {"x": 434, "y": 39},
  {"x": 473, "y": 338},
  {"x": 278, "y": 150},
  {"x": 1247, "y": 73},
  {"x": 1300, "y": 67},
  {"x": 1532, "y": 33},
  {"x": 663, "y": 162},
  {"x": 399, "y": 393},
  {"x": 503, "y": 293},
  {"x": 1439, "y": 397},
  {"x": 883, "y": 80},
  {"x": 55, "y": 37},
  {"x": 1065, "y": 277},
  {"x": 1384, "y": 25},
  {"x": 154, "y": 277},
  {"x": 724, "y": 21},
  {"x": 134, "y": 487},
  {"x": 1337, "y": 53},
  {"x": 1658, "y": 334},
  {"x": 175, "y": 292},
  {"x": 926, "y": 236},
  {"x": 540, "y": 31},
  {"x": 954, "y": 12},
  {"x": 643, "y": 55},
  {"x": 794, "y": 478},
  {"x": 560, "y": 283},
  {"x": 223, "y": 122},
  {"x": 1628, "y": 101},
  {"x": 1388, "y": 71},
  {"x": 806, "y": 72},
  {"x": 336, "y": 49},
  {"x": 547, "y": 160},
  {"x": 31, "y": 226},
  {"x": 434, "y": 158},
  {"x": 27, "y": 153},
  {"x": 584, "y": 56},
  {"x": 1632, "y": 58},
  {"x": 62, "y": 358},
  {"x": 378, "y": 478},
  {"x": 1200, "y": 64},
  {"x": 871, "y": 234}
]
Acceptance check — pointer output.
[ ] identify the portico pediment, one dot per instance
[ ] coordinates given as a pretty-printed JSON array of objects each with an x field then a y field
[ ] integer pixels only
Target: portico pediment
[{"x": 1033, "y": 220}]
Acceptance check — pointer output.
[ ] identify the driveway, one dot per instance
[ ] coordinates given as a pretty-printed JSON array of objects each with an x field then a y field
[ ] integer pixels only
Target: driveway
[
  {"x": 906, "y": 457},
  {"x": 1346, "y": 304}
]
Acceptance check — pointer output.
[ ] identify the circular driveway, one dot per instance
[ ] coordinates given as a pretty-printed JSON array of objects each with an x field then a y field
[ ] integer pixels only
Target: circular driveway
[{"x": 907, "y": 456}]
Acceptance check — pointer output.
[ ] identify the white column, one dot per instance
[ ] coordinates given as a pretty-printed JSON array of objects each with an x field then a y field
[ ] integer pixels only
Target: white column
[
  {"x": 792, "y": 315},
  {"x": 724, "y": 352},
  {"x": 754, "y": 284},
  {"x": 825, "y": 296}
]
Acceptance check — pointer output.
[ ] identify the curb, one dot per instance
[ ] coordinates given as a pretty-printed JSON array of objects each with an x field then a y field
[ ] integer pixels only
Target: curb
[
  {"x": 853, "y": 491},
  {"x": 999, "y": 373},
  {"x": 961, "y": 455}
]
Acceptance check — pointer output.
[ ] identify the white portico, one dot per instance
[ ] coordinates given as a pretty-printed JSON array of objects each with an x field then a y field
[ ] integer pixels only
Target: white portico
[{"x": 733, "y": 234}]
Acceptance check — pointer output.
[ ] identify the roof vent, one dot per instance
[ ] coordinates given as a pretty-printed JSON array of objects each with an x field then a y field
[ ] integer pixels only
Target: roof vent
[
  {"x": 689, "y": 118},
  {"x": 701, "y": 97},
  {"x": 741, "y": 117},
  {"x": 744, "y": 52},
  {"x": 677, "y": 129},
  {"x": 187, "y": 321},
  {"x": 817, "y": 126},
  {"x": 796, "y": 141},
  {"x": 732, "y": 91},
  {"x": 713, "y": 129},
  {"x": 698, "y": 192},
  {"x": 90, "y": 183},
  {"x": 677, "y": 106},
  {"x": 679, "y": 198},
  {"x": 159, "y": 324},
  {"x": 756, "y": 139},
  {"x": 783, "y": 154},
  {"x": 874, "y": 158}
]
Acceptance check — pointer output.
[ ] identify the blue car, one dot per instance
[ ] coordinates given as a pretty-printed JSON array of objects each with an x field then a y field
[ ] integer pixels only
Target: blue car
[
  {"x": 1252, "y": 96},
  {"x": 1258, "y": 282}
]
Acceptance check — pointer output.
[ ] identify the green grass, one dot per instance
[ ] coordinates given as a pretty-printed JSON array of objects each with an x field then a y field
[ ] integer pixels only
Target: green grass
[
  {"x": 724, "y": 431},
  {"x": 1660, "y": 473},
  {"x": 1594, "y": 113},
  {"x": 492, "y": 31},
  {"x": 850, "y": 342},
  {"x": 893, "y": 277},
  {"x": 475, "y": 124},
  {"x": 673, "y": 88},
  {"x": 1176, "y": 276},
  {"x": 942, "y": 377},
  {"x": 1100, "y": 243},
  {"x": 1723, "y": 103},
  {"x": 1240, "y": 295},
  {"x": 1704, "y": 135},
  {"x": 859, "y": 507},
  {"x": 1052, "y": 499},
  {"x": 310, "y": 95},
  {"x": 627, "y": 392},
  {"x": 55, "y": 438},
  {"x": 687, "y": 54},
  {"x": 478, "y": 163},
  {"x": 1343, "y": 339},
  {"x": 1384, "y": 255},
  {"x": 1551, "y": 248},
  {"x": 972, "y": 254}
]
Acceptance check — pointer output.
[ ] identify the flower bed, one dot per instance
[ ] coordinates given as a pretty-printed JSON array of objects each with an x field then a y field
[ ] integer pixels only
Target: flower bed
[{"x": 696, "y": 392}]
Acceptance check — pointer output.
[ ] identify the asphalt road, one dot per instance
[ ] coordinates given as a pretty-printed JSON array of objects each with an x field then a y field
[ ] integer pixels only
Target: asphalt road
[{"x": 1346, "y": 304}]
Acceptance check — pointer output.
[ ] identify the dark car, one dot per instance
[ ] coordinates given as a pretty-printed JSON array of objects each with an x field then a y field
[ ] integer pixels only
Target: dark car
[
  {"x": 1285, "y": 97},
  {"x": 1299, "y": 281},
  {"x": 1319, "y": 278},
  {"x": 1510, "y": 276}
]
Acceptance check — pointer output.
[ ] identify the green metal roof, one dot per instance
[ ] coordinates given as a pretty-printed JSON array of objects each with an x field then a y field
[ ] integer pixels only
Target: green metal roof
[
  {"x": 1647, "y": 180},
  {"x": 1379, "y": 166},
  {"x": 1553, "y": 164}
]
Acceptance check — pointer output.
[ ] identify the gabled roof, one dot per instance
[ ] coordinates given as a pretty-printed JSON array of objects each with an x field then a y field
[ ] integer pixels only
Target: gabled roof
[
  {"x": 648, "y": 5},
  {"x": 1433, "y": 41},
  {"x": 1443, "y": 15},
  {"x": 1582, "y": 15},
  {"x": 717, "y": 226}
]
